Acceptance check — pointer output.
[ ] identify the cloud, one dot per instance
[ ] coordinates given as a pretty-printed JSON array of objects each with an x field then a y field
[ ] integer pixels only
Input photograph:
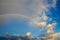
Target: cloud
[
  {"x": 37, "y": 6},
  {"x": 28, "y": 34},
  {"x": 50, "y": 28},
  {"x": 54, "y": 3},
  {"x": 35, "y": 12},
  {"x": 40, "y": 10},
  {"x": 54, "y": 36},
  {"x": 42, "y": 24}
]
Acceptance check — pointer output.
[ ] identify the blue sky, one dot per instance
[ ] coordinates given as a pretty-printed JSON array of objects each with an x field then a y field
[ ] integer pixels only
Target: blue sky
[{"x": 20, "y": 25}]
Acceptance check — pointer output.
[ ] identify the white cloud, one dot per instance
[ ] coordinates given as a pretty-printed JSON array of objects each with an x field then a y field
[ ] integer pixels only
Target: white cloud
[
  {"x": 42, "y": 24},
  {"x": 50, "y": 27},
  {"x": 41, "y": 9},
  {"x": 28, "y": 33}
]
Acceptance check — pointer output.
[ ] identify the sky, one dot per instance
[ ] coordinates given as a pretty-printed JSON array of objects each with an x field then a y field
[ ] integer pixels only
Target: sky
[{"x": 35, "y": 16}]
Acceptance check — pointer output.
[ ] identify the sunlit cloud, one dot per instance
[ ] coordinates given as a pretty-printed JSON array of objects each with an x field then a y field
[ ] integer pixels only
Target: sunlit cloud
[
  {"x": 28, "y": 34},
  {"x": 41, "y": 24},
  {"x": 50, "y": 28}
]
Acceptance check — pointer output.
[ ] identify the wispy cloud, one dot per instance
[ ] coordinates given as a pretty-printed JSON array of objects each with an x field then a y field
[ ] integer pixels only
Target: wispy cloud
[{"x": 40, "y": 11}]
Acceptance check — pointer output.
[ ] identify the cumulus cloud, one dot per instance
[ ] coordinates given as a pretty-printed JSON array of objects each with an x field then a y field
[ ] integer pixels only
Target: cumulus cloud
[
  {"x": 50, "y": 28},
  {"x": 28, "y": 34}
]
